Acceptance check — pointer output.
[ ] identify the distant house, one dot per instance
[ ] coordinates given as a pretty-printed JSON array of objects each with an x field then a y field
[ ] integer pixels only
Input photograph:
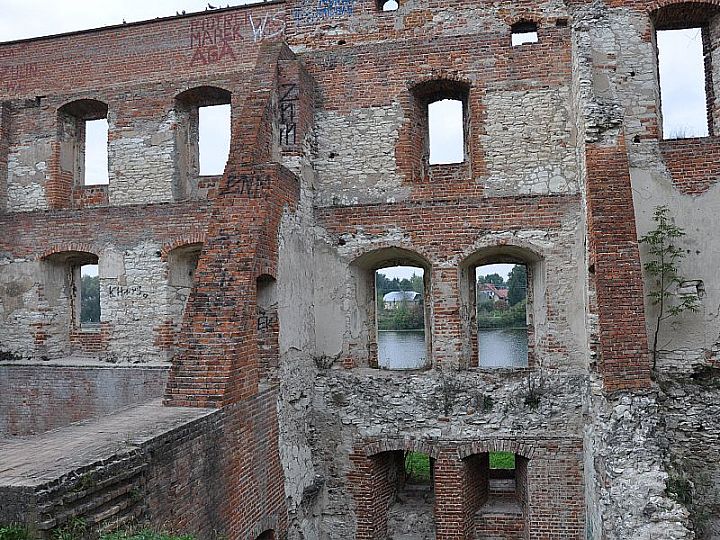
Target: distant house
[
  {"x": 395, "y": 299},
  {"x": 494, "y": 293}
]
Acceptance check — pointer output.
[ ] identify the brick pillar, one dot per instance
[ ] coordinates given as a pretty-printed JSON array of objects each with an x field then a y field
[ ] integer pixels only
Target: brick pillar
[
  {"x": 451, "y": 512},
  {"x": 373, "y": 486},
  {"x": 624, "y": 358},
  {"x": 447, "y": 328}
]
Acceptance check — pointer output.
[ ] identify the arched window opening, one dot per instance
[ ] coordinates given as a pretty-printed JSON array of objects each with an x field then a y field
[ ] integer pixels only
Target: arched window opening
[
  {"x": 524, "y": 32},
  {"x": 446, "y": 132},
  {"x": 685, "y": 36},
  {"x": 501, "y": 309},
  {"x": 411, "y": 511},
  {"x": 203, "y": 136},
  {"x": 267, "y": 535},
  {"x": 388, "y": 5},
  {"x": 83, "y": 134},
  {"x": 390, "y": 315},
  {"x": 400, "y": 317}
]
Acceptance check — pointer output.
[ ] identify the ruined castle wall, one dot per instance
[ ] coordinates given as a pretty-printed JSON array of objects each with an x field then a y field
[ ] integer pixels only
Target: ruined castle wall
[
  {"x": 138, "y": 306},
  {"x": 446, "y": 235},
  {"x": 367, "y": 149},
  {"x": 35, "y": 398}
]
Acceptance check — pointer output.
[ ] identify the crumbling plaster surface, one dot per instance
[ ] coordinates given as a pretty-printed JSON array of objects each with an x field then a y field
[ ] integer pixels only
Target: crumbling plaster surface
[
  {"x": 625, "y": 460},
  {"x": 28, "y": 164}
]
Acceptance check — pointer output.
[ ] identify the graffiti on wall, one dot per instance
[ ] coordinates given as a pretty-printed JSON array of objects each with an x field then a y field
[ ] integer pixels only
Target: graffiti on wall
[
  {"x": 213, "y": 38},
  {"x": 288, "y": 112},
  {"x": 266, "y": 27},
  {"x": 315, "y": 11},
  {"x": 250, "y": 185}
]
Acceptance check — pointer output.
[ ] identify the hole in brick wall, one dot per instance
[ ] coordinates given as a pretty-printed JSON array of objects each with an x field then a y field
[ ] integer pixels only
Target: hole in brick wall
[
  {"x": 400, "y": 317},
  {"x": 202, "y": 137},
  {"x": 388, "y": 5},
  {"x": 267, "y": 535},
  {"x": 83, "y": 138},
  {"x": 681, "y": 66},
  {"x": 524, "y": 32},
  {"x": 497, "y": 484},
  {"x": 182, "y": 264},
  {"x": 501, "y": 299},
  {"x": 89, "y": 296},
  {"x": 411, "y": 513},
  {"x": 214, "y": 138},
  {"x": 96, "y": 152},
  {"x": 446, "y": 132}
]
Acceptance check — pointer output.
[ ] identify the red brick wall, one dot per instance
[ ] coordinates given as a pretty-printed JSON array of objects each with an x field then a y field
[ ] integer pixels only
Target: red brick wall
[
  {"x": 624, "y": 359},
  {"x": 197, "y": 485},
  {"x": 694, "y": 164},
  {"x": 38, "y": 398}
]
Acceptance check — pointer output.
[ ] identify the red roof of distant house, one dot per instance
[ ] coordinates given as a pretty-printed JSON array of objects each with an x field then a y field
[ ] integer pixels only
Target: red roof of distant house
[{"x": 500, "y": 292}]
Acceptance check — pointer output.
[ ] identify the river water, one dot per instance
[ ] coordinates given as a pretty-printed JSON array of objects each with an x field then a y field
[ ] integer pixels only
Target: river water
[{"x": 501, "y": 347}]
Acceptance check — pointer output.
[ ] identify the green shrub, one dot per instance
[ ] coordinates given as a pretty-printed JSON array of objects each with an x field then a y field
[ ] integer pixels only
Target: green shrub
[
  {"x": 502, "y": 460},
  {"x": 417, "y": 467},
  {"x": 13, "y": 532}
]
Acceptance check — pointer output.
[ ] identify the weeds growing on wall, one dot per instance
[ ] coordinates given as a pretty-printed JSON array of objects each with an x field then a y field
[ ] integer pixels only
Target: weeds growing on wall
[
  {"x": 13, "y": 532},
  {"x": 664, "y": 260}
]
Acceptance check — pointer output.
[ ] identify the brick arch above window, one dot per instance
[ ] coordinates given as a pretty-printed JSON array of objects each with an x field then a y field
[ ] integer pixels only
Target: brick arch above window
[
  {"x": 375, "y": 447},
  {"x": 518, "y": 448}
]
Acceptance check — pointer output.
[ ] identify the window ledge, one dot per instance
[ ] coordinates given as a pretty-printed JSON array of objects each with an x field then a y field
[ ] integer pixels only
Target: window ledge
[{"x": 499, "y": 507}]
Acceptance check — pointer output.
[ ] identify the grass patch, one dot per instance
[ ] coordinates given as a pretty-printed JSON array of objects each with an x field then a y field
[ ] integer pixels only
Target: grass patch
[
  {"x": 502, "y": 460},
  {"x": 417, "y": 468},
  {"x": 13, "y": 532}
]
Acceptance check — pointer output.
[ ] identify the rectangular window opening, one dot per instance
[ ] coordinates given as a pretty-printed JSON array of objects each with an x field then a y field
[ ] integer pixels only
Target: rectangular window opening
[
  {"x": 524, "y": 32},
  {"x": 446, "y": 131},
  {"x": 681, "y": 66},
  {"x": 400, "y": 316},
  {"x": 501, "y": 305},
  {"x": 213, "y": 138},
  {"x": 96, "y": 152},
  {"x": 89, "y": 296}
]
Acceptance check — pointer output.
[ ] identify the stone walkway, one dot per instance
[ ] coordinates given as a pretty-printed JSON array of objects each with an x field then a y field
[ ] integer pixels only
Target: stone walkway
[{"x": 35, "y": 460}]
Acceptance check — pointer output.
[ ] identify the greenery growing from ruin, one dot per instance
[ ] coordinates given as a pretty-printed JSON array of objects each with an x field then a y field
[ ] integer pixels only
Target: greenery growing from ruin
[
  {"x": 665, "y": 256},
  {"x": 13, "y": 532}
]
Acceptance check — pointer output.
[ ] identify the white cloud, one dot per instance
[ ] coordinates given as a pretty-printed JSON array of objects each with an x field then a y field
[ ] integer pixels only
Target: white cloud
[{"x": 682, "y": 83}]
